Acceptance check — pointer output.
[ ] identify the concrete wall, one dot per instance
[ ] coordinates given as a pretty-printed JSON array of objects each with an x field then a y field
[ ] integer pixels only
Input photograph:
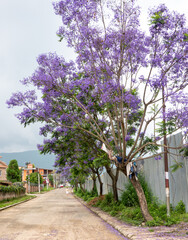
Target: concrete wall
[
  {"x": 4, "y": 196},
  {"x": 154, "y": 173}
]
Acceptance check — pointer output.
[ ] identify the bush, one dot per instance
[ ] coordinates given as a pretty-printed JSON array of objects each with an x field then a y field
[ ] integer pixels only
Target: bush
[
  {"x": 159, "y": 213},
  {"x": 12, "y": 189},
  {"x": 156, "y": 222},
  {"x": 132, "y": 214},
  {"x": 79, "y": 193},
  {"x": 129, "y": 197},
  {"x": 180, "y": 208},
  {"x": 109, "y": 198},
  {"x": 94, "y": 192},
  {"x": 18, "y": 184},
  {"x": 85, "y": 195}
]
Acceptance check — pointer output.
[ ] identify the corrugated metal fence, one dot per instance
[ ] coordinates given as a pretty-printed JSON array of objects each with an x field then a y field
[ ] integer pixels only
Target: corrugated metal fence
[{"x": 154, "y": 173}]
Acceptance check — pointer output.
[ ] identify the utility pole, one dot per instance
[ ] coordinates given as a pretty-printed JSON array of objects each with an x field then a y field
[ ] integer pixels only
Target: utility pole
[
  {"x": 47, "y": 179},
  {"x": 38, "y": 180},
  {"x": 166, "y": 156},
  {"x": 54, "y": 180},
  {"x": 28, "y": 182}
]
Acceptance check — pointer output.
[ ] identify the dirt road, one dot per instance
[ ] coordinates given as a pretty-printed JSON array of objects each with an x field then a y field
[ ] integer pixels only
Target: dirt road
[{"x": 54, "y": 215}]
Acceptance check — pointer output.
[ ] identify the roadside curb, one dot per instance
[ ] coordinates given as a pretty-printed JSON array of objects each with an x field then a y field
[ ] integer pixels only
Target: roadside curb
[
  {"x": 133, "y": 232},
  {"x": 105, "y": 217},
  {"x": 4, "y": 208}
]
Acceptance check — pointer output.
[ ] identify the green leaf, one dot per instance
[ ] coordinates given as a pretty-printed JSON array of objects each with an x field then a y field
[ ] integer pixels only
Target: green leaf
[
  {"x": 176, "y": 166},
  {"x": 185, "y": 37}
]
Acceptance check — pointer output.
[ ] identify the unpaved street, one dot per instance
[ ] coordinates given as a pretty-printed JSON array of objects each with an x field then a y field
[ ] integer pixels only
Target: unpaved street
[{"x": 54, "y": 215}]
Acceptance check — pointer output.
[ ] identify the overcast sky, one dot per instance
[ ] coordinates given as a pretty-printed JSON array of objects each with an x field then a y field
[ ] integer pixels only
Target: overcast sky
[{"x": 27, "y": 29}]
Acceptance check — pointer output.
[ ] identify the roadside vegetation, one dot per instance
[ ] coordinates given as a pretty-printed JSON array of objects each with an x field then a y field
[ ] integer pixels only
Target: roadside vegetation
[
  {"x": 45, "y": 189},
  {"x": 12, "y": 189},
  {"x": 12, "y": 201},
  {"x": 14, "y": 174},
  {"x": 127, "y": 208}
]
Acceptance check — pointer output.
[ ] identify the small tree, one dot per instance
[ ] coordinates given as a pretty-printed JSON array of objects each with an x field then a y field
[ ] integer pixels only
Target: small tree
[
  {"x": 51, "y": 180},
  {"x": 13, "y": 172},
  {"x": 34, "y": 178}
]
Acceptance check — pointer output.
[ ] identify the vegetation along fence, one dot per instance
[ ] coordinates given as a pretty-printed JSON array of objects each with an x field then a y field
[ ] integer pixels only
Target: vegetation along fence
[
  {"x": 154, "y": 173},
  {"x": 8, "y": 192}
]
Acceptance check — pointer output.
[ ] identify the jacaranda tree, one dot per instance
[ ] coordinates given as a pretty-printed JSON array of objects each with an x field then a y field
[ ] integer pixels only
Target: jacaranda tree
[
  {"x": 78, "y": 149},
  {"x": 119, "y": 73}
]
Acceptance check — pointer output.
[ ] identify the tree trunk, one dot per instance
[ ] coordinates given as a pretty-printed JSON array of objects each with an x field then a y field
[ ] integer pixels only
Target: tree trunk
[
  {"x": 141, "y": 197},
  {"x": 82, "y": 188},
  {"x": 100, "y": 182},
  {"x": 94, "y": 181},
  {"x": 114, "y": 181},
  {"x": 76, "y": 186},
  {"x": 115, "y": 191}
]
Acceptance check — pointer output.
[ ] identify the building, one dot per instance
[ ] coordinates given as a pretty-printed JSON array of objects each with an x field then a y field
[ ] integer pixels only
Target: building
[
  {"x": 32, "y": 169},
  {"x": 3, "y": 171}
]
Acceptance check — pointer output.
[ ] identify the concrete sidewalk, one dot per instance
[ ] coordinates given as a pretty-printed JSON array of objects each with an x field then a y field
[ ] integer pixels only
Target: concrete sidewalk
[{"x": 178, "y": 232}]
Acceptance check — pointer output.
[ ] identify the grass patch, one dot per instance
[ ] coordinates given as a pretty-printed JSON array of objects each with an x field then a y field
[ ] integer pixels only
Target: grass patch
[
  {"x": 12, "y": 201},
  {"x": 43, "y": 190},
  {"x": 47, "y": 190}
]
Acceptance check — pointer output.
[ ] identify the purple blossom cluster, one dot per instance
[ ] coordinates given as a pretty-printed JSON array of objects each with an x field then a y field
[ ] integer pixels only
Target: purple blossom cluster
[{"x": 158, "y": 157}]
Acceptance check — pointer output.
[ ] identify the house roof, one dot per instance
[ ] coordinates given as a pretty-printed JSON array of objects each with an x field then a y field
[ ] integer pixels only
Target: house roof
[{"x": 3, "y": 164}]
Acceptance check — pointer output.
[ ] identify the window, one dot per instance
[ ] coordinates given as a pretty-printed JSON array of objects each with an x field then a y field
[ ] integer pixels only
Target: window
[{"x": 0, "y": 172}]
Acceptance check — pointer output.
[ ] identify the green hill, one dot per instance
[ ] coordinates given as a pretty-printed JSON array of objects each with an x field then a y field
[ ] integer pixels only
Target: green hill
[{"x": 34, "y": 157}]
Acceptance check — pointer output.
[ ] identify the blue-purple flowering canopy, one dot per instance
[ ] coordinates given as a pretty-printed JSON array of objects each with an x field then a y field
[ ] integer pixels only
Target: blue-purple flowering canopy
[{"x": 119, "y": 73}]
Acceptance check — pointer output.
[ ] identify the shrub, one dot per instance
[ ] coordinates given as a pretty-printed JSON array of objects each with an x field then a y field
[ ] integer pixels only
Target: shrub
[
  {"x": 109, "y": 198},
  {"x": 94, "y": 192},
  {"x": 10, "y": 189},
  {"x": 180, "y": 208},
  {"x": 129, "y": 197},
  {"x": 79, "y": 193},
  {"x": 159, "y": 213},
  {"x": 18, "y": 184},
  {"x": 85, "y": 195}
]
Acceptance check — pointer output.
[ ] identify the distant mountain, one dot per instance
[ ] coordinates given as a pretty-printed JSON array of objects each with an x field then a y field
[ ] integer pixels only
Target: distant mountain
[{"x": 34, "y": 157}]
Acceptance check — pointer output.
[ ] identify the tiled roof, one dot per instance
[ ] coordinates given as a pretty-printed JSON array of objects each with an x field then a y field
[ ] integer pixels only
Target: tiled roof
[{"x": 2, "y": 163}]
